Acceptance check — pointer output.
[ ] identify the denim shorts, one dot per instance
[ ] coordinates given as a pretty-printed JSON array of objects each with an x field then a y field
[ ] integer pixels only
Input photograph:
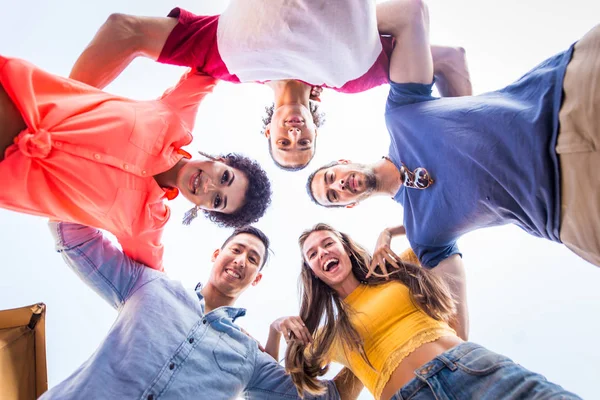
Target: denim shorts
[{"x": 470, "y": 371}]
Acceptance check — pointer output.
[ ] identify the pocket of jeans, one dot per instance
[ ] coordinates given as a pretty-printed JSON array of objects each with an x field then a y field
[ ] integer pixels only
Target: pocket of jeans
[
  {"x": 229, "y": 354},
  {"x": 481, "y": 361}
]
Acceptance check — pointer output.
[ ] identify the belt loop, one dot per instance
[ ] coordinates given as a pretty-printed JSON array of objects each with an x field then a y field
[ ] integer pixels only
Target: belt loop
[{"x": 450, "y": 364}]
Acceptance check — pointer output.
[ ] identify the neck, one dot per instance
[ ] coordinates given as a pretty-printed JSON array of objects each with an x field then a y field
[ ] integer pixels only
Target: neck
[
  {"x": 347, "y": 286},
  {"x": 213, "y": 298},
  {"x": 388, "y": 177},
  {"x": 169, "y": 177},
  {"x": 290, "y": 92}
]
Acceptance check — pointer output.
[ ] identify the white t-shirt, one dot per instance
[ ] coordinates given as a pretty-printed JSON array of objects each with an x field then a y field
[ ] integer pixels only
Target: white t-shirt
[{"x": 321, "y": 42}]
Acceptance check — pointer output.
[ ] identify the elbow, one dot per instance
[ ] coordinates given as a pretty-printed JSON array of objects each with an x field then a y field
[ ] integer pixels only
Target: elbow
[
  {"x": 402, "y": 14},
  {"x": 125, "y": 28}
]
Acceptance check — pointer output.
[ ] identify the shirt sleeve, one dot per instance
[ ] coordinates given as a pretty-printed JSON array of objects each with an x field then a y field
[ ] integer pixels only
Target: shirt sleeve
[
  {"x": 145, "y": 248},
  {"x": 97, "y": 262},
  {"x": 270, "y": 381},
  {"x": 402, "y": 94},
  {"x": 185, "y": 97},
  {"x": 431, "y": 256}
]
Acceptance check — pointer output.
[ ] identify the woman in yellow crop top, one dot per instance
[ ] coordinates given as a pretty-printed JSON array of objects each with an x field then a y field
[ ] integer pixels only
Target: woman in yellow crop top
[{"x": 391, "y": 333}]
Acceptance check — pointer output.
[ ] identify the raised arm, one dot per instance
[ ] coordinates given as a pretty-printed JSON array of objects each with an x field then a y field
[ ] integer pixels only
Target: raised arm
[
  {"x": 118, "y": 41},
  {"x": 98, "y": 263},
  {"x": 408, "y": 22},
  {"x": 451, "y": 71},
  {"x": 452, "y": 271},
  {"x": 291, "y": 328}
]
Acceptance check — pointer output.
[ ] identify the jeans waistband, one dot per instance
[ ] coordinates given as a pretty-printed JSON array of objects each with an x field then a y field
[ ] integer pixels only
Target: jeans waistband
[{"x": 444, "y": 360}]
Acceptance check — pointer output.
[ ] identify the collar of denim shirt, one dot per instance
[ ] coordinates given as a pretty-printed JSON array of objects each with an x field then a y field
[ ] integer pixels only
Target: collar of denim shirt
[{"x": 220, "y": 312}]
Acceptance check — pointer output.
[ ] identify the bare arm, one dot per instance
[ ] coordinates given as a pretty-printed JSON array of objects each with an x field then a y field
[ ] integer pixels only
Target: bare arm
[
  {"x": 348, "y": 385},
  {"x": 118, "y": 41},
  {"x": 291, "y": 328},
  {"x": 451, "y": 71},
  {"x": 408, "y": 22},
  {"x": 452, "y": 271}
]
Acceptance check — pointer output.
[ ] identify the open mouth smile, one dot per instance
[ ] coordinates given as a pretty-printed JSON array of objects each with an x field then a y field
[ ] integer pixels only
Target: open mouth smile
[
  {"x": 331, "y": 265},
  {"x": 232, "y": 273}
]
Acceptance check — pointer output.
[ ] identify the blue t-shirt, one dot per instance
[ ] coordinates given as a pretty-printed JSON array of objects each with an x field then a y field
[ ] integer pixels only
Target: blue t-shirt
[{"x": 491, "y": 157}]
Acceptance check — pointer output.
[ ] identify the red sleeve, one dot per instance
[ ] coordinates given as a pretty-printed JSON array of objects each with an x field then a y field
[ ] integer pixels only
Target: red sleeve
[
  {"x": 193, "y": 43},
  {"x": 145, "y": 248}
]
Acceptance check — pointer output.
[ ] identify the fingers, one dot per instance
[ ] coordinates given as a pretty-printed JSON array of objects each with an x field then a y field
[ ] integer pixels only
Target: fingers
[
  {"x": 293, "y": 329},
  {"x": 383, "y": 255}
]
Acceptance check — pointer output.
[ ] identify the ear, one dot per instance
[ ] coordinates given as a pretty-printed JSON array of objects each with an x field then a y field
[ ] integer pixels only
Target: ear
[
  {"x": 268, "y": 131},
  {"x": 257, "y": 279},
  {"x": 352, "y": 205},
  {"x": 343, "y": 161},
  {"x": 215, "y": 255}
]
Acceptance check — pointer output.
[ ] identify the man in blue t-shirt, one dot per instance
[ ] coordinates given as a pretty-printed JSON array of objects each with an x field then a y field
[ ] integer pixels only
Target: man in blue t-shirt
[{"x": 464, "y": 163}]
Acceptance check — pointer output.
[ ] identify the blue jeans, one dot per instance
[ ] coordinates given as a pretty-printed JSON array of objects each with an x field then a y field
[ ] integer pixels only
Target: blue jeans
[{"x": 469, "y": 371}]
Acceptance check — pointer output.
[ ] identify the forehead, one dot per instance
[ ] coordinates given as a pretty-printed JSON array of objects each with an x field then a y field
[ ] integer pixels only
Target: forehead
[
  {"x": 251, "y": 242},
  {"x": 315, "y": 238},
  {"x": 317, "y": 186},
  {"x": 236, "y": 193}
]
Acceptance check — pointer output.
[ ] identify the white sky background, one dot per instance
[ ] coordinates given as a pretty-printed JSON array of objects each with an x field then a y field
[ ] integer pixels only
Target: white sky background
[{"x": 530, "y": 299}]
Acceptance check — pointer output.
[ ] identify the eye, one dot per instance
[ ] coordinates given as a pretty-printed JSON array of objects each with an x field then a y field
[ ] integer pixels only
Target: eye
[
  {"x": 225, "y": 178},
  {"x": 304, "y": 142},
  {"x": 283, "y": 142},
  {"x": 253, "y": 260},
  {"x": 217, "y": 201},
  {"x": 328, "y": 244},
  {"x": 311, "y": 255},
  {"x": 235, "y": 250}
]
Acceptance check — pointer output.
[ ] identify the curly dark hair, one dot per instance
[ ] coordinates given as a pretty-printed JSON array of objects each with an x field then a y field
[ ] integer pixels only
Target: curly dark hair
[
  {"x": 318, "y": 119},
  {"x": 309, "y": 182},
  {"x": 258, "y": 195}
]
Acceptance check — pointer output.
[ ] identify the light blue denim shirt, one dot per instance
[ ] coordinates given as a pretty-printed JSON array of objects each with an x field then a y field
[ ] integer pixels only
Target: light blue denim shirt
[{"x": 162, "y": 345}]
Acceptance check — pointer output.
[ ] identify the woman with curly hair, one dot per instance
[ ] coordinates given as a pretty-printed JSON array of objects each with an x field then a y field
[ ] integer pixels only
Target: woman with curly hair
[
  {"x": 71, "y": 152},
  {"x": 392, "y": 332}
]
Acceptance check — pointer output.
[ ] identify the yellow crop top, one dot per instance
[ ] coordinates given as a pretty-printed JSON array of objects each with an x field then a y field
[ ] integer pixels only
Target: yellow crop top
[{"x": 391, "y": 326}]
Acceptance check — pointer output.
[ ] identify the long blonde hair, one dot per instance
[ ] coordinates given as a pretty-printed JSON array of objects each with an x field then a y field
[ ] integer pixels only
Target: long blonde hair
[{"x": 321, "y": 307}]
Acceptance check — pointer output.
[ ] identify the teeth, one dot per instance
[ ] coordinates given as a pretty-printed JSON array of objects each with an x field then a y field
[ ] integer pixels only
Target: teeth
[
  {"x": 329, "y": 263},
  {"x": 196, "y": 183},
  {"x": 232, "y": 273}
]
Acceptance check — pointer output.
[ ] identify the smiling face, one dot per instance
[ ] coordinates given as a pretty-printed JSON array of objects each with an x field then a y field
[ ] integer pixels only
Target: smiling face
[
  {"x": 237, "y": 265},
  {"x": 213, "y": 185},
  {"x": 292, "y": 134},
  {"x": 343, "y": 184},
  {"x": 326, "y": 256}
]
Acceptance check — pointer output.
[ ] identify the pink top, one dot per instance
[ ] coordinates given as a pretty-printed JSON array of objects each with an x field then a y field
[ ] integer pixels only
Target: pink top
[
  {"x": 222, "y": 46},
  {"x": 89, "y": 157}
]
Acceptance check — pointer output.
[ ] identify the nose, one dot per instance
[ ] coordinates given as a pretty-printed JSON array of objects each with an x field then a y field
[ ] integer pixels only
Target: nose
[
  {"x": 240, "y": 261},
  {"x": 294, "y": 131},
  {"x": 322, "y": 252},
  {"x": 208, "y": 185},
  {"x": 339, "y": 185}
]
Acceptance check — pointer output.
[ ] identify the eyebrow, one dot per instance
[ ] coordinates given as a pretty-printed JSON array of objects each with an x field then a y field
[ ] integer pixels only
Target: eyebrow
[
  {"x": 224, "y": 203},
  {"x": 232, "y": 178}
]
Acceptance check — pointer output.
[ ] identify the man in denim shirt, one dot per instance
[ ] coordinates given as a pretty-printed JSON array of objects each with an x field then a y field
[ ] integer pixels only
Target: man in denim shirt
[{"x": 169, "y": 342}]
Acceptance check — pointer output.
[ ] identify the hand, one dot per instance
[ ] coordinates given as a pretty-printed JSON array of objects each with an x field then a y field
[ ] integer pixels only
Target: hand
[
  {"x": 315, "y": 93},
  {"x": 260, "y": 347},
  {"x": 292, "y": 329},
  {"x": 383, "y": 253}
]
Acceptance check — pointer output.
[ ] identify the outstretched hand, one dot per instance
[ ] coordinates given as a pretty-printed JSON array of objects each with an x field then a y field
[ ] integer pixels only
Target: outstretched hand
[
  {"x": 383, "y": 254},
  {"x": 292, "y": 329}
]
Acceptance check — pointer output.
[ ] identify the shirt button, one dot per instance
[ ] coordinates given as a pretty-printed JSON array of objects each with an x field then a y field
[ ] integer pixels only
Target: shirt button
[
  {"x": 125, "y": 166},
  {"x": 57, "y": 144},
  {"x": 172, "y": 366},
  {"x": 144, "y": 172},
  {"x": 97, "y": 156},
  {"x": 204, "y": 321},
  {"x": 191, "y": 340},
  {"x": 150, "y": 397}
]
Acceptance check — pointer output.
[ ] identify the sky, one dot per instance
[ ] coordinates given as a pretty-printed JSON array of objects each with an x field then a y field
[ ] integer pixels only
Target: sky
[{"x": 530, "y": 299}]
